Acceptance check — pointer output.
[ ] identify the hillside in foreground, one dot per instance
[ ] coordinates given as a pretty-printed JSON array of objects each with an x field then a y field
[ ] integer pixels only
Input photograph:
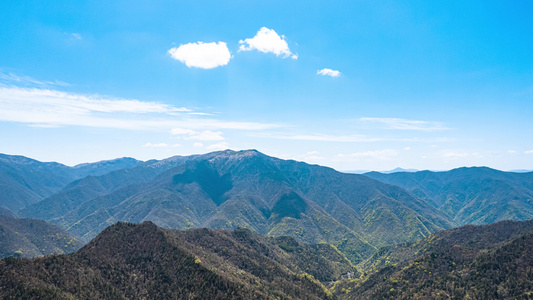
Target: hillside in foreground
[
  {"x": 142, "y": 261},
  {"x": 470, "y": 262}
]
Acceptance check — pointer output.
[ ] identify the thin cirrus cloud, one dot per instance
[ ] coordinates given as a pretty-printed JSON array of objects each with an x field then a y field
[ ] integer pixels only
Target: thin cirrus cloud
[
  {"x": 528, "y": 152},
  {"x": 319, "y": 137},
  {"x": 404, "y": 124},
  {"x": 328, "y": 72},
  {"x": 51, "y": 108},
  {"x": 11, "y": 78},
  {"x": 202, "y": 55},
  {"x": 268, "y": 41}
]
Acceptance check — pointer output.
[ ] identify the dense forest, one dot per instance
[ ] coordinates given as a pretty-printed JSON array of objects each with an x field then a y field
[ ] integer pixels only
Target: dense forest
[
  {"x": 128, "y": 261},
  {"x": 471, "y": 262},
  {"x": 143, "y": 261}
]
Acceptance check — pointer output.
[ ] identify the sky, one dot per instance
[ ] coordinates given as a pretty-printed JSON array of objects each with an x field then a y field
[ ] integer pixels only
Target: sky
[{"x": 354, "y": 85}]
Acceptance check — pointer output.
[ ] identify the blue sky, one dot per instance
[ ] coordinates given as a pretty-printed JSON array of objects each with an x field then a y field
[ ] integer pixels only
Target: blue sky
[{"x": 355, "y": 85}]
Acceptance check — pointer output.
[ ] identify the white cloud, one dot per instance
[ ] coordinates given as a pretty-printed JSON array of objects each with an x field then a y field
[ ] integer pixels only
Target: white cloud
[
  {"x": 76, "y": 36},
  {"x": 268, "y": 41},
  {"x": 403, "y": 124},
  {"x": 218, "y": 146},
  {"x": 198, "y": 145},
  {"x": 511, "y": 151},
  {"x": 202, "y": 55},
  {"x": 384, "y": 154},
  {"x": 52, "y": 108},
  {"x": 528, "y": 152},
  {"x": 328, "y": 72}
]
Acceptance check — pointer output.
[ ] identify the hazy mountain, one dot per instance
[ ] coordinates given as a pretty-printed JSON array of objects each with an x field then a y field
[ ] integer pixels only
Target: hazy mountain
[
  {"x": 30, "y": 237},
  {"x": 230, "y": 189},
  {"x": 128, "y": 261},
  {"x": 105, "y": 166},
  {"x": 25, "y": 181},
  {"x": 396, "y": 170},
  {"x": 476, "y": 195},
  {"x": 471, "y": 262}
]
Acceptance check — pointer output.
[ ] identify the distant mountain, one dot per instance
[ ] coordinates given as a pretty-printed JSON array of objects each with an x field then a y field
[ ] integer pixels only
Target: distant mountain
[
  {"x": 229, "y": 189},
  {"x": 25, "y": 181},
  {"x": 476, "y": 195},
  {"x": 396, "y": 170},
  {"x": 104, "y": 166},
  {"x": 128, "y": 261},
  {"x": 400, "y": 170},
  {"x": 30, "y": 237},
  {"x": 471, "y": 262}
]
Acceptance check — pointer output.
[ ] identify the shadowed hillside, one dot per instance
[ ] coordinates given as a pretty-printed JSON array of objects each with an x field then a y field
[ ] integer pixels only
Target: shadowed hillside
[
  {"x": 128, "y": 261},
  {"x": 30, "y": 237},
  {"x": 471, "y": 262}
]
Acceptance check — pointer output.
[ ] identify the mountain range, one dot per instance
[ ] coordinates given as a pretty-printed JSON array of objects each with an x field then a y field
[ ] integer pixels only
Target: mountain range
[
  {"x": 477, "y": 195},
  {"x": 357, "y": 214},
  {"x": 230, "y": 189},
  {"x": 25, "y": 181}
]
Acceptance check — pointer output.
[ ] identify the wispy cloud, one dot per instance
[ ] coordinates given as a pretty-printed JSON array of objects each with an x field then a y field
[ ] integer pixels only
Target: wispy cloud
[
  {"x": 202, "y": 55},
  {"x": 12, "y": 78},
  {"x": 76, "y": 36},
  {"x": 268, "y": 41},
  {"x": 49, "y": 108},
  {"x": 528, "y": 152},
  {"x": 206, "y": 135},
  {"x": 328, "y": 72},
  {"x": 320, "y": 137},
  {"x": 383, "y": 154},
  {"x": 404, "y": 124}
]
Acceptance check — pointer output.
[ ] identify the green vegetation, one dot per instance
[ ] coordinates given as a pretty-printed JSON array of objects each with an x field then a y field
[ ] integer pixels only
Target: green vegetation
[
  {"x": 476, "y": 195},
  {"x": 30, "y": 237},
  {"x": 471, "y": 262},
  {"x": 228, "y": 189},
  {"x": 128, "y": 261}
]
